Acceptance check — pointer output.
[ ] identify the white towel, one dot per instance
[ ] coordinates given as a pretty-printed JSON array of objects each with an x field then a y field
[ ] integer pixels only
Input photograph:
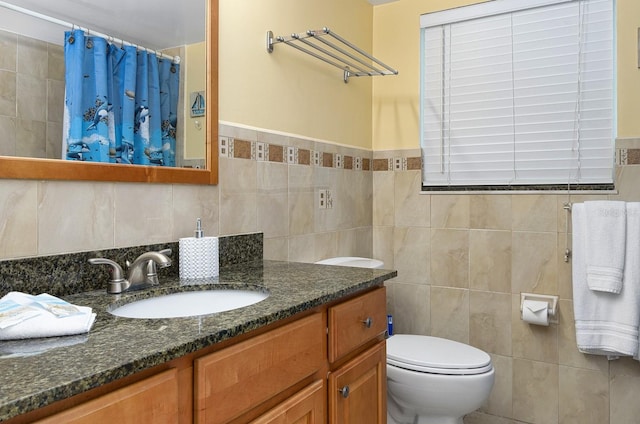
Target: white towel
[
  {"x": 24, "y": 316},
  {"x": 607, "y": 323},
  {"x": 605, "y": 244}
]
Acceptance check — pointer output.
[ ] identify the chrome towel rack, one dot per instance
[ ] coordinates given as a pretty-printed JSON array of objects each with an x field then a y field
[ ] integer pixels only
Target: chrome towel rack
[{"x": 352, "y": 60}]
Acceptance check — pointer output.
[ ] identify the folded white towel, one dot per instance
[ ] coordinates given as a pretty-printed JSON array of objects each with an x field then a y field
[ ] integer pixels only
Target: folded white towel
[
  {"x": 24, "y": 316},
  {"x": 605, "y": 244},
  {"x": 606, "y": 323}
]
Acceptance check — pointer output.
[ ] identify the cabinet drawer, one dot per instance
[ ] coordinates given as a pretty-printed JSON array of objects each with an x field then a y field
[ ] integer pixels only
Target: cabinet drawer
[
  {"x": 355, "y": 322},
  {"x": 232, "y": 381},
  {"x": 306, "y": 406},
  {"x": 152, "y": 400}
]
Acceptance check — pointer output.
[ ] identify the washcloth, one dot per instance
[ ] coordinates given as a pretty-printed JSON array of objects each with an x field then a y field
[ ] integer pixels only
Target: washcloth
[
  {"x": 24, "y": 316},
  {"x": 605, "y": 244},
  {"x": 607, "y": 323}
]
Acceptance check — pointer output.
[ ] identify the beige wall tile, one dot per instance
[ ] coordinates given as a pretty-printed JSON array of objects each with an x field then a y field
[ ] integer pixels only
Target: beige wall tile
[
  {"x": 500, "y": 400},
  {"x": 490, "y": 211},
  {"x": 8, "y": 50},
  {"x": 531, "y": 341},
  {"x": 300, "y": 248},
  {"x": 383, "y": 245},
  {"x": 627, "y": 178},
  {"x": 325, "y": 246},
  {"x": 584, "y": 396},
  {"x": 411, "y": 207},
  {"x": 273, "y": 199},
  {"x": 535, "y": 392},
  {"x": 191, "y": 202},
  {"x": 450, "y": 211},
  {"x": 356, "y": 242},
  {"x": 490, "y": 322},
  {"x": 411, "y": 308},
  {"x": 32, "y": 136},
  {"x": 54, "y": 140},
  {"x": 55, "y": 62},
  {"x": 32, "y": 57},
  {"x": 490, "y": 260},
  {"x": 534, "y": 266},
  {"x": 18, "y": 215},
  {"x": 450, "y": 313},
  {"x": 450, "y": 258},
  {"x": 79, "y": 216},
  {"x": 276, "y": 249},
  {"x": 7, "y": 135},
  {"x": 383, "y": 200},
  {"x": 143, "y": 214},
  {"x": 480, "y": 418},
  {"x": 534, "y": 212},
  {"x": 624, "y": 388},
  {"x": 55, "y": 101},
  {"x": 238, "y": 196},
  {"x": 8, "y": 93},
  {"x": 411, "y": 254},
  {"x": 31, "y": 97}
]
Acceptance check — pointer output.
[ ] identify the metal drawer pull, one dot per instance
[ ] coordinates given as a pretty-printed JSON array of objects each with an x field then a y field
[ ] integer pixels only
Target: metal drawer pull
[
  {"x": 368, "y": 322},
  {"x": 344, "y": 391}
]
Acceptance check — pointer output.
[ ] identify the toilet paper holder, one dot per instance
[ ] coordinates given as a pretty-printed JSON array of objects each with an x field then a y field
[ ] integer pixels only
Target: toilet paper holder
[{"x": 552, "y": 304}]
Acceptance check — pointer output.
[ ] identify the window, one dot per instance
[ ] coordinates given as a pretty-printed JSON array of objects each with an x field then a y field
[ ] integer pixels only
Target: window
[{"x": 518, "y": 94}]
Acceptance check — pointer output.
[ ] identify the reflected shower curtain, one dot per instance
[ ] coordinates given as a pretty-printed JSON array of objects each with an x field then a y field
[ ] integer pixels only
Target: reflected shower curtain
[{"x": 120, "y": 103}]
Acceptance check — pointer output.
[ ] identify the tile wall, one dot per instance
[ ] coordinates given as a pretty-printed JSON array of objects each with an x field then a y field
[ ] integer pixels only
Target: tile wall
[
  {"x": 272, "y": 183},
  {"x": 463, "y": 261},
  {"x": 31, "y": 96}
]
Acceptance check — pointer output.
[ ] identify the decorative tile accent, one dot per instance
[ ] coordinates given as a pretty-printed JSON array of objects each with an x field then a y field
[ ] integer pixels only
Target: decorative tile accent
[
  {"x": 264, "y": 151},
  {"x": 414, "y": 163},
  {"x": 292, "y": 155},
  {"x": 348, "y": 162},
  {"x": 275, "y": 153},
  {"x": 337, "y": 161},
  {"x": 242, "y": 149},
  {"x": 358, "y": 166},
  {"x": 261, "y": 154},
  {"x": 380, "y": 164},
  {"x": 366, "y": 164},
  {"x": 304, "y": 157},
  {"x": 327, "y": 160},
  {"x": 633, "y": 157}
]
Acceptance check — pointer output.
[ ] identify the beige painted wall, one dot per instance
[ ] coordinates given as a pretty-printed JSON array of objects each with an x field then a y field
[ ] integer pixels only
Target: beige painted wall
[
  {"x": 396, "y": 105},
  {"x": 287, "y": 90}
]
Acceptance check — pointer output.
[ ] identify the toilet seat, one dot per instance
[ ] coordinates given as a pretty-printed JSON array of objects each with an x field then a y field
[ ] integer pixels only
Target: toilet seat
[{"x": 436, "y": 355}]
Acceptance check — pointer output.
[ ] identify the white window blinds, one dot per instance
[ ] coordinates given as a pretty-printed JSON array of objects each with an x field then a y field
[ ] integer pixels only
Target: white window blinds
[{"x": 518, "y": 93}]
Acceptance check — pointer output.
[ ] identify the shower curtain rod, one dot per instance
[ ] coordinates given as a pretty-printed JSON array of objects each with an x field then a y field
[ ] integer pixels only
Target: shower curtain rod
[{"x": 175, "y": 59}]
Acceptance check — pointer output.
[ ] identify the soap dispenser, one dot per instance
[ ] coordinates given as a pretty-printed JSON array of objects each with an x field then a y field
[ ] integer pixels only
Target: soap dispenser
[{"x": 198, "y": 256}]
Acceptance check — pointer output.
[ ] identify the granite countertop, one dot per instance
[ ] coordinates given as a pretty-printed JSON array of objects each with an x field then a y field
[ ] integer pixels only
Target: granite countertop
[{"x": 38, "y": 372}]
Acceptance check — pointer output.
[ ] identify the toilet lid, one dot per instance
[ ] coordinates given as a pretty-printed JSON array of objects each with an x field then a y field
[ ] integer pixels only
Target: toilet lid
[{"x": 436, "y": 355}]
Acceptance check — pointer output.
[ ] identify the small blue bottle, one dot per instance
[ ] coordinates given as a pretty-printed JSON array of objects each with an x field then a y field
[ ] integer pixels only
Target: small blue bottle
[{"x": 390, "y": 325}]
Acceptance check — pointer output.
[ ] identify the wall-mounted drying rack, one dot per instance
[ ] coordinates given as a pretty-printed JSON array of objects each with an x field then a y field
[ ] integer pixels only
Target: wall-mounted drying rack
[{"x": 353, "y": 61}]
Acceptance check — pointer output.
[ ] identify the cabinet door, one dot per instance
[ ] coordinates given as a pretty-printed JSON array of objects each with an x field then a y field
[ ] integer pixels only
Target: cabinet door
[
  {"x": 232, "y": 381},
  {"x": 357, "y": 390},
  {"x": 305, "y": 407},
  {"x": 153, "y": 400}
]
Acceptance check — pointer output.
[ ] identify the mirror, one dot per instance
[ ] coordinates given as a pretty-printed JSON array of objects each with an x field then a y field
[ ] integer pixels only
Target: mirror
[{"x": 56, "y": 169}]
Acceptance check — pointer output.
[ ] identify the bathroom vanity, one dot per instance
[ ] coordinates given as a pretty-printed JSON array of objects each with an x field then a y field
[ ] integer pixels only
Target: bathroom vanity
[{"x": 314, "y": 350}]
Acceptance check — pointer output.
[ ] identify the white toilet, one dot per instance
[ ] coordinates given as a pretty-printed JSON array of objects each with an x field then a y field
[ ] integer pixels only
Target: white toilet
[{"x": 431, "y": 380}]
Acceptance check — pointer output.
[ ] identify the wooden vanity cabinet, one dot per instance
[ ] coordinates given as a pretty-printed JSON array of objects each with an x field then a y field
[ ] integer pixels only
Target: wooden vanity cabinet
[{"x": 328, "y": 366}]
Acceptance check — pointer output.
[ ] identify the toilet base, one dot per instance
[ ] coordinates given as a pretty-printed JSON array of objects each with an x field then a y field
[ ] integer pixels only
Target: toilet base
[{"x": 426, "y": 420}]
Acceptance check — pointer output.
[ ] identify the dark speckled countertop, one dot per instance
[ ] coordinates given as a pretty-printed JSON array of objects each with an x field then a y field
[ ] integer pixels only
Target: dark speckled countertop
[{"x": 38, "y": 372}]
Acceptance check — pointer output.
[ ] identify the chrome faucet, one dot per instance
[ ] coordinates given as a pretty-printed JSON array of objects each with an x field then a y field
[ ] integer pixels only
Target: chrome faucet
[{"x": 141, "y": 273}]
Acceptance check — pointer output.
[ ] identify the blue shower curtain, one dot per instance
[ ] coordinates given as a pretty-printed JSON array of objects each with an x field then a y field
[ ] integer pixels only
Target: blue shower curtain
[{"x": 120, "y": 103}]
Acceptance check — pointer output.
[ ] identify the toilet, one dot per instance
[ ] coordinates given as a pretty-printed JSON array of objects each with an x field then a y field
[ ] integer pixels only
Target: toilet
[{"x": 431, "y": 380}]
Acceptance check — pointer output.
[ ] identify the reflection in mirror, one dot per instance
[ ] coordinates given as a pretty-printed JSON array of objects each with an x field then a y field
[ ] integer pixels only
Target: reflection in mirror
[{"x": 32, "y": 114}]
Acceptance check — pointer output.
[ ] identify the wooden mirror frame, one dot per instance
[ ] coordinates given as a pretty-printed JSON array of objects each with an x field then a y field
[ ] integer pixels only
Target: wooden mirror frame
[{"x": 58, "y": 169}]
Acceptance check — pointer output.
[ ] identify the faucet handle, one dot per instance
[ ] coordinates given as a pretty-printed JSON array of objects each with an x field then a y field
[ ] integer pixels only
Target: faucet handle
[{"x": 117, "y": 284}]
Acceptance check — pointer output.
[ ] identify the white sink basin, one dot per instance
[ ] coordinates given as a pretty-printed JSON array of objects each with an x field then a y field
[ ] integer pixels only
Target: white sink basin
[{"x": 189, "y": 303}]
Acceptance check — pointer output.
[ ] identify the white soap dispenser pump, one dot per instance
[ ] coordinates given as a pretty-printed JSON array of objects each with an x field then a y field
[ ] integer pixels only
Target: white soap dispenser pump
[{"x": 198, "y": 255}]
